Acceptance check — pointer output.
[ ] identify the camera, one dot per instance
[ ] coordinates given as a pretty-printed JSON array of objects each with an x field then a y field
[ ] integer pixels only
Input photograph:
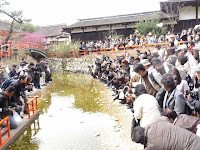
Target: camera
[{"x": 194, "y": 95}]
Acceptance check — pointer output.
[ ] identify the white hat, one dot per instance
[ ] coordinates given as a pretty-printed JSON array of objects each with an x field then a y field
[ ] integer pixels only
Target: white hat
[
  {"x": 197, "y": 68},
  {"x": 181, "y": 47},
  {"x": 172, "y": 36},
  {"x": 145, "y": 62}
]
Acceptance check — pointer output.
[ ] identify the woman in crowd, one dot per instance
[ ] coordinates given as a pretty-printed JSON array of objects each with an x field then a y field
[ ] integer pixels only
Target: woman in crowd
[
  {"x": 146, "y": 107},
  {"x": 182, "y": 85},
  {"x": 173, "y": 99}
]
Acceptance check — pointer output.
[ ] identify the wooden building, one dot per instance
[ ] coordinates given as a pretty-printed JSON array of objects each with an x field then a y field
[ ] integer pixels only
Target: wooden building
[
  {"x": 182, "y": 14},
  {"x": 54, "y": 33}
]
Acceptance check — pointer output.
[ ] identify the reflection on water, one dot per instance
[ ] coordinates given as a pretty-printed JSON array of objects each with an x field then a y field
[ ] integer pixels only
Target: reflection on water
[
  {"x": 85, "y": 91},
  {"x": 67, "y": 120}
]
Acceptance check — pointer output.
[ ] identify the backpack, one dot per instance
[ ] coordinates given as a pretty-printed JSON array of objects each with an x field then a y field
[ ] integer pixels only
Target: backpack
[{"x": 6, "y": 83}]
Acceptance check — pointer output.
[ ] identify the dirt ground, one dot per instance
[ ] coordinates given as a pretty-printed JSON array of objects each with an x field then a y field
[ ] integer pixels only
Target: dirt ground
[{"x": 121, "y": 115}]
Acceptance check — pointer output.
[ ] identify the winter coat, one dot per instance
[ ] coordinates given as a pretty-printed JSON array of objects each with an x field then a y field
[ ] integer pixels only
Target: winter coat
[
  {"x": 183, "y": 87},
  {"x": 187, "y": 122},
  {"x": 154, "y": 78},
  {"x": 16, "y": 96},
  {"x": 175, "y": 101},
  {"x": 162, "y": 135},
  {"x": 182, "y": 71},
  {"x": 190, "y": 64},
  {"x": 146, "y": 109},
  {"x": 5, "y": 102}
]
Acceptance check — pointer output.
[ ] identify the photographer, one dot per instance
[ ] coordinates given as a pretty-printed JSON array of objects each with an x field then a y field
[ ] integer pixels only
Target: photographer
[{"x": 192, "y": 99}]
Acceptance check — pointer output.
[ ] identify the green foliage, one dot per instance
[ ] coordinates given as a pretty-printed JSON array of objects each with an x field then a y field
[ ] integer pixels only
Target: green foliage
[
  {"x": 144, "y": 27},
  {"x": 115, "y": 36},
  {"x": 25, "y": 27},
  {"x": 63, "y": 49}
]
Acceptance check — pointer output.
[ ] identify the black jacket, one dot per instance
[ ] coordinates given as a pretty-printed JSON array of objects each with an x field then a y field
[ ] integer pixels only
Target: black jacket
[
  {"x": 18, "y": 88},
  {"x": 5, "y": 102},
  {"x": 196, "y": 102}
]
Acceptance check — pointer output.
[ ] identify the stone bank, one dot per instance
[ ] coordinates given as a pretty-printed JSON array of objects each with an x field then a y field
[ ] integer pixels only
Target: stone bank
[{"x": 75, "y": 65}]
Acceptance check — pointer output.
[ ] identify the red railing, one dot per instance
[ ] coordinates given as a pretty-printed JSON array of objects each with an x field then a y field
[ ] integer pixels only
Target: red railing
[
  {"x": 32, "y": 106},
  {"x": 4, "y": 130},
  {"x": 80, "y": 53}
]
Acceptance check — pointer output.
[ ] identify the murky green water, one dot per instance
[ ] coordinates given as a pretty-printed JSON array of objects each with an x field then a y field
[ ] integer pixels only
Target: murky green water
[
  {"x": 71, "y": 118},
  {"x": 85, "y": 91}
]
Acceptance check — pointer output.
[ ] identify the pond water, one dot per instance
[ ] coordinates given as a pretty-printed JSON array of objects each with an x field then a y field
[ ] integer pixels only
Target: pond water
[{"x": 72, "y": 117}]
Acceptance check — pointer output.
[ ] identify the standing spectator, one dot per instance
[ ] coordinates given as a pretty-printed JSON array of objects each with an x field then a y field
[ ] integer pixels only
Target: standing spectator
[
  {"x": 173, "y": 99},
  {"x": 192, "y": 62},
  {"x": 37, "y": 75},
  {"x": 31, "y": 70},
  {"x": 146, "y": 78},
  {"x": 13, "y": 70},
  {"x": 23, "y": 63},
  {"x": 42, "y": 67},
  {"x": 182, "y": 85},
  {"x": 184, "y": 35},
  {"x": 150, "y": 38}
]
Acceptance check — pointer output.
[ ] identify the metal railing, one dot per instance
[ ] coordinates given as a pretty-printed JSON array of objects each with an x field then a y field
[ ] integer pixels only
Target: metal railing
[
  {"x": 4, "y": 130},
  {"x": 32, "y": 106}
]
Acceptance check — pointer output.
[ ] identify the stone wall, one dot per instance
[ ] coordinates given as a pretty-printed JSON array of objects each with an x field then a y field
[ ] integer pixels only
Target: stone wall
[{"x": 76, "y": 65}]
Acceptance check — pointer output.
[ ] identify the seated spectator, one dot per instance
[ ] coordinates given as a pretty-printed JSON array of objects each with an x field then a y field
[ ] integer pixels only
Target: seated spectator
[
  {"x": 162, "y": 135},
  {"x": 6, "y": 106},
  {"x": 145, "y": 107},
  {"x": 173, "y": 99},
  {"x": 182, "y": 120}
]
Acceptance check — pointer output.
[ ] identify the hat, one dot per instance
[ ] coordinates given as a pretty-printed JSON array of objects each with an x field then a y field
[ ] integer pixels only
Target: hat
[
  {"x": 197, "y": 68},
  {"x": 156, "y": 61},
  {"x": 150, "y": 33},
  {"x": 172, "y": 36},
  {"x": 145, "y": 62},
  {"x": 31, "y": 64},
  {"x": 181, "y": 47}
]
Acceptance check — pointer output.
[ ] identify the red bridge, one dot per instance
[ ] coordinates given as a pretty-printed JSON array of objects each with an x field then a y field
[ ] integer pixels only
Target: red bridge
[{"x": 36, "y": 50}]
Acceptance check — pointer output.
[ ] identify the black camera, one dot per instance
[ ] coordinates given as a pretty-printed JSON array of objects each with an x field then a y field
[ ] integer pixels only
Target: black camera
[{"x": 194, "y": 95}]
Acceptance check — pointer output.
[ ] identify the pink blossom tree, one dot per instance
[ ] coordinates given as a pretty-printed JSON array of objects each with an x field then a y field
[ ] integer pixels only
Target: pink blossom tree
[{"x": 33, "y": 37}]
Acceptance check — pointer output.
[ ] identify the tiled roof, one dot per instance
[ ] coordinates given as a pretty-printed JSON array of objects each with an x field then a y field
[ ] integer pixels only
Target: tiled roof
[
  {"x": 118, "y": 19},
  {"x": 51, "y": 31}
]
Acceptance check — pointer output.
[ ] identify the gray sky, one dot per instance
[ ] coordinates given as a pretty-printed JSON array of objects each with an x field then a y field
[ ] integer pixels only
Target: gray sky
[{"x": 49, "y": 12}]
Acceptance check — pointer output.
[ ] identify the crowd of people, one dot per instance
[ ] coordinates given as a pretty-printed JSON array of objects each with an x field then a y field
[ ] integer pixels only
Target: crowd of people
[
  {"x": 161, "y": 88},
  {"x": 190, "y": 35},
  {"x": 15, "y": 82}
]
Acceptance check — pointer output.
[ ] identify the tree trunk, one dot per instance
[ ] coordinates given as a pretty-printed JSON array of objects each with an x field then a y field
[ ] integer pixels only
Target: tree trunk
[
  {"x": 10, "y": 33},
  {"x": 172, "y": 28}
]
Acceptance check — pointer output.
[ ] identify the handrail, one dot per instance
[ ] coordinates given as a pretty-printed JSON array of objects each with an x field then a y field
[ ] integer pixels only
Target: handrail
[
  {"x": 5, "y": 129},
  {"x": 81, "y": 53},
  {"x": 32, "y": 106}
]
